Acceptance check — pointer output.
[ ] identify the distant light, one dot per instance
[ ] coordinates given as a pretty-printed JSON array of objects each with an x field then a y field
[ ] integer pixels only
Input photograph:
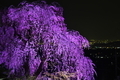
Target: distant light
[{"x": 101, "y": 57}]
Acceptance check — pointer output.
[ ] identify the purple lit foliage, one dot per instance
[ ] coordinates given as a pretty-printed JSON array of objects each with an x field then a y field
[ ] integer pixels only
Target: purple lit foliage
[{"x": 34, "y": 39}]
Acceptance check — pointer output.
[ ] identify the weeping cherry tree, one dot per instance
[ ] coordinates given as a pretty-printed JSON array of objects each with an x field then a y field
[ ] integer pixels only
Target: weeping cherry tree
[{"x": 34, "y": 40}]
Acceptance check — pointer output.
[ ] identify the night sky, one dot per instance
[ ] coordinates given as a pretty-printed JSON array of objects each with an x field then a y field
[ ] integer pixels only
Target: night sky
[{"x": 98, "y": 19}]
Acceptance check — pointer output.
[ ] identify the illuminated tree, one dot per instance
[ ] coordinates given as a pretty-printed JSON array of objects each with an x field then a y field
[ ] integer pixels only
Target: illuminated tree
[{"x": 34, "y": 39}]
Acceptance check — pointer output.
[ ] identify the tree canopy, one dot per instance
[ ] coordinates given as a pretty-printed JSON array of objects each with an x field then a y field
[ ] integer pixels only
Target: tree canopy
[{"x": 34, "y": 39}]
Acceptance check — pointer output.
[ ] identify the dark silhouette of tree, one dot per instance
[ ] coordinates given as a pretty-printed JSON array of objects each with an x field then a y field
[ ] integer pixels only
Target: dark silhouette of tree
[{"x": 34, "y": 39}]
